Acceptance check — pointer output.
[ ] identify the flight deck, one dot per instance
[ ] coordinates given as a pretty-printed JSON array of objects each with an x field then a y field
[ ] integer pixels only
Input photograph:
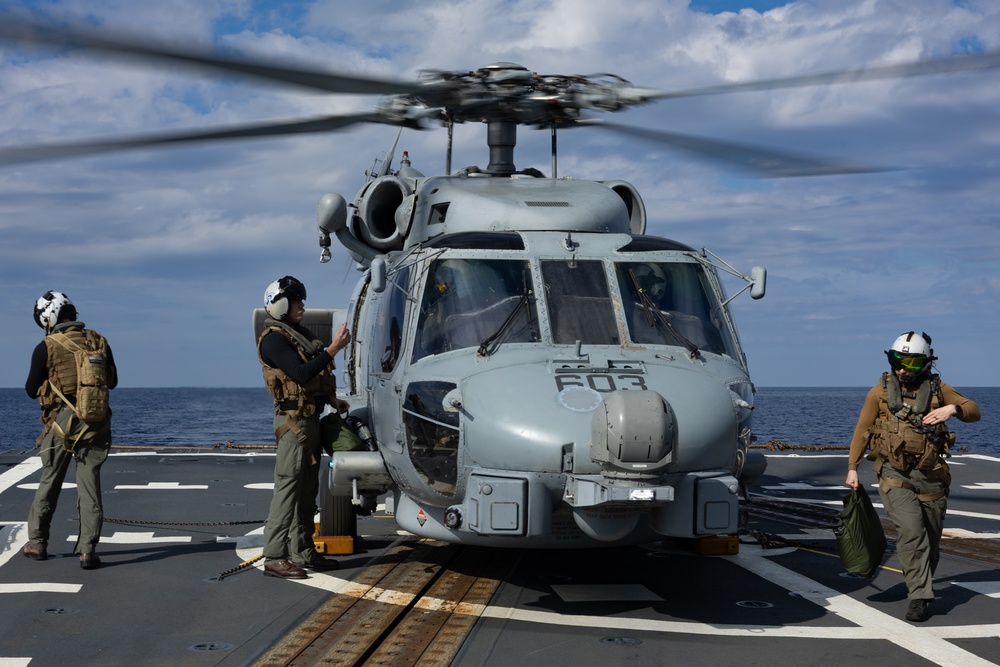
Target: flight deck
[{"x": 179, "y": 584}]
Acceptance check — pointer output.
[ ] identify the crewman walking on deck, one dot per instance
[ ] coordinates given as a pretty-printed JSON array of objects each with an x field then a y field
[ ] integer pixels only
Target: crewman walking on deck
[
  {"x": 72, "y": 371},
  {"x": 298, "y": 373},
  {"x": 902, "y": 422}
]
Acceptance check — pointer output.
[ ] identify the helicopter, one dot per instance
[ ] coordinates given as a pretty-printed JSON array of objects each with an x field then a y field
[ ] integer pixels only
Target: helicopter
[{"x": 528, "y": 368}]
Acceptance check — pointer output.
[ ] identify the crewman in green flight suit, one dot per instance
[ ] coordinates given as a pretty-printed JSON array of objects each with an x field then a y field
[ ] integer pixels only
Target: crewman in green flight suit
[
  {"x": 902, "y": 422},
  {"x": 298, "y": 373},
  {"x": 72, "y": 371}
]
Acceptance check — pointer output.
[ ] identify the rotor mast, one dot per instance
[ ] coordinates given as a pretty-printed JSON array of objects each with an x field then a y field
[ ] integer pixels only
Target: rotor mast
[{"x": 501, "y": 136}]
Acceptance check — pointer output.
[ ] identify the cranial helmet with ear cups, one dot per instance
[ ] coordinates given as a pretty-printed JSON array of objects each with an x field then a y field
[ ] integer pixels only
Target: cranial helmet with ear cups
[
  {"x": 651, "y": 279},
  {"x": 47, "y": 309},
  {"x": 279, "y": 293},
  {"x": 912, "y": 352}
]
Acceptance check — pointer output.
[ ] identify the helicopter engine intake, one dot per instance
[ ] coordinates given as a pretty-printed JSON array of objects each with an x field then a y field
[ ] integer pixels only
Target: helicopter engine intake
[{"x": 385, "y": 220}]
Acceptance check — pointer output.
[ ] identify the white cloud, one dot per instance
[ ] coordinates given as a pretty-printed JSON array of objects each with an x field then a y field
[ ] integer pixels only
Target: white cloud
[{"x": 151, "y": 241}]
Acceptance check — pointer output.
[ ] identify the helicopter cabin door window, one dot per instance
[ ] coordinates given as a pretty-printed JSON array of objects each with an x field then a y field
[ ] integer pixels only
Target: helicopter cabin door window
[
  {"x": 475, "y": 302},
  {"x": 579, "y": 303},
  {"x": 388, "y": 333},
  {"x": 666, "y": 303}
]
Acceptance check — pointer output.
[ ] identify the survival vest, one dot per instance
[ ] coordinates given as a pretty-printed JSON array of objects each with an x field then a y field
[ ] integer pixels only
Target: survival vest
[
  {"x": 899, "y": 436},
  {"x": 284, "y": 389},
  {"x": 77, "y": 362}
]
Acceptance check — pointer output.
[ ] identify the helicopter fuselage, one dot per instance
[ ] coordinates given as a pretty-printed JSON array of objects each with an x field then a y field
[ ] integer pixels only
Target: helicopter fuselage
[{"x": 536, "y": 371}]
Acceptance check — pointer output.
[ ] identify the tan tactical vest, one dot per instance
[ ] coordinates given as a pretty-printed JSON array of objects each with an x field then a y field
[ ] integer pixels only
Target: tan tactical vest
[
  {"x": 898, "y": 435},
  {"x": 284, "y": 388}
]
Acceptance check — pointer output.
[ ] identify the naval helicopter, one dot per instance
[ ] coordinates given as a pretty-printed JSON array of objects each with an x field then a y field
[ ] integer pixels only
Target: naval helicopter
[
  {"x": 532, "y": 368},
  {"x": 528, "y": 367}
]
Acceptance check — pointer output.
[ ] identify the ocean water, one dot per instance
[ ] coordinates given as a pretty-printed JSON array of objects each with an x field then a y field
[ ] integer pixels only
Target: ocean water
[
  {"x": 827, "y": 416},
  {"x": 205, "y": 417},
  {"x": 194, "y": 417}
]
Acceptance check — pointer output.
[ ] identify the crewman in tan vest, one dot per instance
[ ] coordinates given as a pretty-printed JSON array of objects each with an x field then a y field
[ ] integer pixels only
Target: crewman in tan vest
[
  {"x": 72, "y": 371},
  {"x": 298, "y": 374},
  {"x": 902, "y": 422}
]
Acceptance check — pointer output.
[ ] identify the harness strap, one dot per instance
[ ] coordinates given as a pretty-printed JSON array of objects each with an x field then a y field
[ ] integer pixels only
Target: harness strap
[
  {"x": 885, "y": 483},
  {"x": 292, "y": 425},
  {"x": 54, "y": 424},
  {"x": 289, "y": 425}
]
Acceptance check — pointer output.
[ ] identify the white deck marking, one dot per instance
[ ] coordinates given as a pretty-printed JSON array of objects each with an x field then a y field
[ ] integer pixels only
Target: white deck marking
[
  {"x": 26, "y": 467},
  {"x": 269, "y": 486},
  {"x": 990, "y": 589},
  {"x": 158, "y": 486},
  {"x": 15, "y": 662},
  {"x": 977, "y": 457},
  {"x": 11, "y": 541},
  {"x": 962, "y": 533},
  {"x": 33, "y": 486},
  {"x": 983, "y": 486},
  {"x": 250, "y": 546},
  {"x": 40, "y": 587}
]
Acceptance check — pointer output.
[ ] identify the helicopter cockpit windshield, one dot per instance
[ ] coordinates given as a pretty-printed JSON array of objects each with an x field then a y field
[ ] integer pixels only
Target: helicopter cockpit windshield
[
  {"x": 667, "y": 304},
  {"x": 484, "y": 303},
  {"x": 579, "y": 302},
  {"x": 471, "y": 302}
]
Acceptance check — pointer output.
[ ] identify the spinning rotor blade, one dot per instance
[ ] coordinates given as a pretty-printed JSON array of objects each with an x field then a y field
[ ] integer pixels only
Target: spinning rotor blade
[
  {"x": 760, "y": 162},
  {"x": 28, "y": 33},
  {"x": 20, "y": 154},
  {"x": 953, "y": 65}
]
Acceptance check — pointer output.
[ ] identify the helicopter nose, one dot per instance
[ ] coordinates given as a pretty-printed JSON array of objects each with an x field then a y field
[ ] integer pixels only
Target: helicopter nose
[{"x": 633, "y": 432}]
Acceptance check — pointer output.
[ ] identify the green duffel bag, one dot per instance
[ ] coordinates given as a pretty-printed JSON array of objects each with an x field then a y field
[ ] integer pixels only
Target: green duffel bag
[
  {"x": 860, "y": 538},
  {"x": 337, "y": 436}
]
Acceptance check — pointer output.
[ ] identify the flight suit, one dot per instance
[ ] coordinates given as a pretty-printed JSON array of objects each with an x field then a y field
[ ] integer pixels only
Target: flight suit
[
  {"x": 298, "y": 374},
  {"x": 66, "y": 439},
  {"x": 914, "y": 495}
]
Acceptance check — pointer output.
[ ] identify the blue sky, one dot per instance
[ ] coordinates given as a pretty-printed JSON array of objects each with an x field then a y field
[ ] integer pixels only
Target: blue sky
[{"x": 168, "y": 251}]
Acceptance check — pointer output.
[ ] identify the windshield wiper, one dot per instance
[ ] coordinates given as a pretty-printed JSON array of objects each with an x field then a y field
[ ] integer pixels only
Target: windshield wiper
[
  {"x": 654, "y": 317},
  {"x": 526, "y": 295}
]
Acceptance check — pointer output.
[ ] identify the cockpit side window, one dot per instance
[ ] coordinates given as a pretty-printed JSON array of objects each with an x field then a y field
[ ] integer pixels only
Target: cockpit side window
[
  {"x": 388, "y": 333},
  {"x": 579, "y": 302},
  {"x": 469, "y": 301},
  {"x": 666, "y": 303}
]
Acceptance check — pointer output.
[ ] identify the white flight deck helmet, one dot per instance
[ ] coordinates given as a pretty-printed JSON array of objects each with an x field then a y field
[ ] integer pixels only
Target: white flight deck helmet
[
  {"x": 47, "y": 309},
  {"x": 279, "y": 293},
  {"x": 912, "y": 352}
]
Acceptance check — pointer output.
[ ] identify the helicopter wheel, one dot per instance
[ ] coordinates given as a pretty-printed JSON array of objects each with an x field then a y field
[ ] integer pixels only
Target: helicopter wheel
[{"x": 336, "y": 513}]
